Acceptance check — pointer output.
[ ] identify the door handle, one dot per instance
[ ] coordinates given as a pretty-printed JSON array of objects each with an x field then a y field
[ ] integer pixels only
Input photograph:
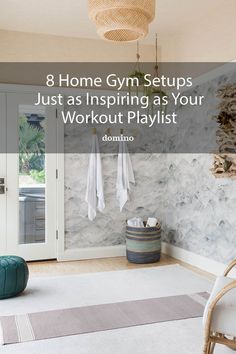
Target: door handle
[
  {"x": 2, "y": 185},
  {"x": 2, "y": 189}
]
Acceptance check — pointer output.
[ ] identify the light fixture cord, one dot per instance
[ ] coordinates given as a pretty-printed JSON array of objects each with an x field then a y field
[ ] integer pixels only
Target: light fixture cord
[
  {"x": 138, "y": 57},
  {"x": 156, "y": 64}
]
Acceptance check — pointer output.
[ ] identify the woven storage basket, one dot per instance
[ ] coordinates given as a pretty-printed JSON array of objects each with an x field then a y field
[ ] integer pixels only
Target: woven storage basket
[
  {"x": 143, "y": 244},
  {"x": 122, "y": 20}
]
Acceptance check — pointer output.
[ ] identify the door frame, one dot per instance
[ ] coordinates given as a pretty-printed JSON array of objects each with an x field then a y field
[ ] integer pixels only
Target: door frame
[
  {"x": 3, "y": 198},
  {"x": 59, "y": 166}
]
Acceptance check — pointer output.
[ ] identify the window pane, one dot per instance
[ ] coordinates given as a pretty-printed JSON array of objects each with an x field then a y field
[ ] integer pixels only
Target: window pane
[{"x": 31, "y": 174}]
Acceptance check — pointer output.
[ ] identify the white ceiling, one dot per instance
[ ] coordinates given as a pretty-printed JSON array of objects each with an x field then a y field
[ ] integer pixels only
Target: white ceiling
[{"x": 70, "y": 17}]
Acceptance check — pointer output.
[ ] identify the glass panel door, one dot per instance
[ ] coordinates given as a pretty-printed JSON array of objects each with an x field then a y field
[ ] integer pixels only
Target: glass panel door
[{"x": 31, "y": 178}]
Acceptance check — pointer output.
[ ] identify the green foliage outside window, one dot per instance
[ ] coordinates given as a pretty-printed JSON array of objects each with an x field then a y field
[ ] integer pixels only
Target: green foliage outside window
[{"x": 31, "y": 150}]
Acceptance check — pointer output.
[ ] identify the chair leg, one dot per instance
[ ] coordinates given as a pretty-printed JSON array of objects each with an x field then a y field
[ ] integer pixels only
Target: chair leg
[
  {"x": 207, "y": 347},
  {"x": 212, "y": 347}
]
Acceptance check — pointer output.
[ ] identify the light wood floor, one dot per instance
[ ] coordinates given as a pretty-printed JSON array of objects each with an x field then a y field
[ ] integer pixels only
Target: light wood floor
[{"x": 54, "y": 268}]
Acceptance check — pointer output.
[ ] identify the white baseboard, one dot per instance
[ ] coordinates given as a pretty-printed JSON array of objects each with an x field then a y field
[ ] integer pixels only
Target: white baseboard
[
  {"x": 193, "y": 259},
  {"x": 92, "y": 252},
  {"x": 181, "y": 254}
]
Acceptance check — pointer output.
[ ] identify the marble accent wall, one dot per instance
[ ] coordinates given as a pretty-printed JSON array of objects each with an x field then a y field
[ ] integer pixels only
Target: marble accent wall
[
  {"x": 197, "y": 211},
  {"x": 199, "y": 208},
  {"x": 108, "y": 229}
]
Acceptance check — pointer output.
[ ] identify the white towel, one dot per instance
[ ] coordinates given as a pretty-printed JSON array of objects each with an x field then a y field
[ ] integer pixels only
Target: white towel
[
  {"x": 125, "y": 175},
  {"x": 135, "y": 222},
  {"x": 94, "y": 193}
]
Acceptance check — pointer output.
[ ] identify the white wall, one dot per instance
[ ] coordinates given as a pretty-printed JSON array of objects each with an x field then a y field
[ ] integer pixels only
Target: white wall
[
  {"x": 198, "y": 46},
  {"x": 212, "y": 40},
  {"x": 19, "y": 46}
]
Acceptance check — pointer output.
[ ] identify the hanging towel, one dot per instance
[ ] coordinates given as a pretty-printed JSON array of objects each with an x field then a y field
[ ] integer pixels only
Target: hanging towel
[
  {"x": 125, "y": 175},
  {"x": 94, "y": 193}
]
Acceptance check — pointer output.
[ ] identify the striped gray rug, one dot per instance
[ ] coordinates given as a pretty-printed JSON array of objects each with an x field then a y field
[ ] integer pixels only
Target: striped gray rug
[{"x": 78, "y": 320}]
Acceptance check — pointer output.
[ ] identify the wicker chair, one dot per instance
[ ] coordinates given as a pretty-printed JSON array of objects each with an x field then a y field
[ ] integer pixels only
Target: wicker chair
[{"x": 220, "y": 313}]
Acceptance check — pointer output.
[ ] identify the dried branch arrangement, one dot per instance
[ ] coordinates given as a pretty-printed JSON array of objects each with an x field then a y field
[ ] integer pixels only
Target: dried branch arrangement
[
  {"x": 225, "y": 163},
  {"x": 224, "y": 166}
]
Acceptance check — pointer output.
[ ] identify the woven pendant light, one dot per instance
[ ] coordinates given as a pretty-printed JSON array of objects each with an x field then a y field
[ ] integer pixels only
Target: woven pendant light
[{"x": 122, "y": 20}]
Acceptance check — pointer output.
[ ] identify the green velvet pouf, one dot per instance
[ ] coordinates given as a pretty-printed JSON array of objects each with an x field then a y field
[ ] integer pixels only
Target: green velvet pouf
[{"x": 14, "y": 276}]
